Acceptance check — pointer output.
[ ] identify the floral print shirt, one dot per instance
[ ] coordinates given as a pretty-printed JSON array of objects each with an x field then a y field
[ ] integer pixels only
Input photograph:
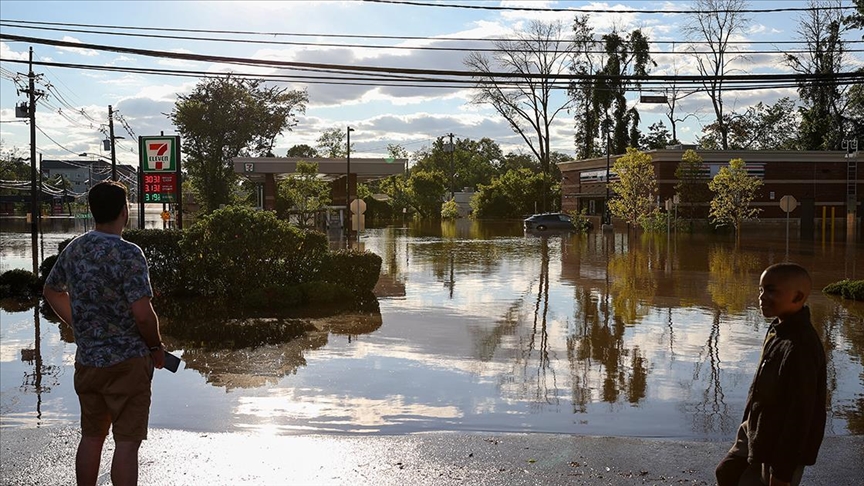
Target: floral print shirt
[{"x": 104, "y": 274}]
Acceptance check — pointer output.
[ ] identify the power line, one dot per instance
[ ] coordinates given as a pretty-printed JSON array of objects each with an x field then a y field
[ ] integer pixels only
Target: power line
[
  {"x": 596, "y": 10},
  {"x": 378, "y": 70},
  {"x": 89, "y": 27},
  {"x": 405, "y": 48}
]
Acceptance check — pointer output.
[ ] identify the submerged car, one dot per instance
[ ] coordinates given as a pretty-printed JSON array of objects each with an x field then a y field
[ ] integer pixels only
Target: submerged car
[{"x": 549, "y": 221}]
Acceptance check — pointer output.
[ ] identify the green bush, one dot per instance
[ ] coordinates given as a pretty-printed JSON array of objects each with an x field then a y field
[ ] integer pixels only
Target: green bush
[
  {"x": 353, "y": 269},
  {"x": 19, "y": 283},
  {"x": 168, "y": 270},
  {"x": 848, "y": 289},
  {"x": 235, "y": 249},
  {"x": 450, "y": 210},
  {"x": 580, "y": 220}
]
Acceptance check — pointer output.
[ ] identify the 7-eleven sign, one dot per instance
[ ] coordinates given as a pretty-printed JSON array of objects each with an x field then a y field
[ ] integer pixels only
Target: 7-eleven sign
[{"x": 158, "y": 154}]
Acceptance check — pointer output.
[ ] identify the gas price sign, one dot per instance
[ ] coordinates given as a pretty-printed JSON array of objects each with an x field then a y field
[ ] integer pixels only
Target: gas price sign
[
  {"x": 160, "y": 164},
  {"x": 160, "y": 188}
]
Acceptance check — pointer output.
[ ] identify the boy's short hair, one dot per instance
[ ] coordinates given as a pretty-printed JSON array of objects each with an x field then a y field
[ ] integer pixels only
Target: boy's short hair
[
  {"x": 792, "y": 271},
  {"x": 107, "y": 200}
]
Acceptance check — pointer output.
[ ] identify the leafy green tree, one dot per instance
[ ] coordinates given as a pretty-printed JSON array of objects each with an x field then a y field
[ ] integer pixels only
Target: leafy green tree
[
  {"x": 581, "y": 92},
  {"x": 627, "y": 58},
  {"x": 303, "y": 194},
  {"x": 760, "y": 127},
  {"x": 734, "y": 189},
  {"x": 692, "y": 185},
  {"x": 512, "y": 195},
  {"x": 426, "y": 192},
  {"x": 228, "y": 117},
  {"x": 450, "y": 210},
  {"x": 658, "y": 137},
  {"x": 302, "y": 150},
  {"x": 636, "y": 187},
  {"x": 14, "y": 164},
  {"x": 332, "y": 143}
]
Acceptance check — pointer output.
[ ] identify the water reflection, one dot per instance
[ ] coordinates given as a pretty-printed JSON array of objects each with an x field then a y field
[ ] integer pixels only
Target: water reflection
[{"x": 480, "y": 328}]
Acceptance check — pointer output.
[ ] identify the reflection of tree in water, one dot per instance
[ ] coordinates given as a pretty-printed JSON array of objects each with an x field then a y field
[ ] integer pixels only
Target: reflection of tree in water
[
  {"x": 712, "y": 412},
  {"x": 633, "y": 284},
  {"x": 849, "y": 317},
  {"x": 730, "y": 278},
  {"x": 254, "y": 352},
  {"x": 532, "y": 369}
]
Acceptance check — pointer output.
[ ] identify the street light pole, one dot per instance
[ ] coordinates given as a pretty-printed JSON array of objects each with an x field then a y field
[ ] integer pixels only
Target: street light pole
[{"x": 348, "y": 190}]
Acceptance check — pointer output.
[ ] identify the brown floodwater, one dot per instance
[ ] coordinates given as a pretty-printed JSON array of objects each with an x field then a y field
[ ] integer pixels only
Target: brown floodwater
[{"x": 478, "y": 328}]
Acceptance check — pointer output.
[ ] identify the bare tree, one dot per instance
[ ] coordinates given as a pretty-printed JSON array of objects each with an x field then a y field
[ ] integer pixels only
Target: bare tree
[
  {"x": 715, "y": 22},
  {"x": 536, "y": 56},
  {"x": 821, "y": 29}
]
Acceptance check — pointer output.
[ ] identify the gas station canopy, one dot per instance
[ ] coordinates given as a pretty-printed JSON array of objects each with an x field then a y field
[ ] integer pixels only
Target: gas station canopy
[{"x": 256, "y": 168}]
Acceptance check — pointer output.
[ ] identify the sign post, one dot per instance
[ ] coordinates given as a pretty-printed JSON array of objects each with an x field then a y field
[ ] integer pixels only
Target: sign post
[
  {"x": 160, "y": 171},
  {"x": 788, "y": 204}
]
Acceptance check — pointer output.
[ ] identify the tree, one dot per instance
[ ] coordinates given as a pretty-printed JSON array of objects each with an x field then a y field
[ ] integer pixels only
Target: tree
[
  {"x": 512, "y": 195},
  {"x": 658, "y": 136},
  {"x": 760, "y": 127},
  {"x": 692, "y": 186},
  {"x": 856, "y": 19},
  {"x": 228, "y": 117},
  {"x": 536, "y": 56},
  {"x": 332, "y": 143},
  {"x": 627, "y": 58},
  {"x": 587, "y": 114},
  {"x": 715, "y": 22},
  {"x": 821, "y": 28},
  {"x": 734, "y": 189},
  {"x": 636, "y": 187},
  {"x": 303, "y": 194},
  {"x": 302, "y": 150},
  {"x": 426, "y": 192}
]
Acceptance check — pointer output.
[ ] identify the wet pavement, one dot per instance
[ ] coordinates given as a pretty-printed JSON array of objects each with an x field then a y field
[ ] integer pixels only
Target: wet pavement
[{"x": 45, "y": 456}]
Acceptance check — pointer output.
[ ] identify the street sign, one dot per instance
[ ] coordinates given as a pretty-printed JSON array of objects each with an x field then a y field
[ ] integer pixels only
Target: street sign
[
  {"x": 788, "y": 203},
  {"x": 160, "y": 168}
]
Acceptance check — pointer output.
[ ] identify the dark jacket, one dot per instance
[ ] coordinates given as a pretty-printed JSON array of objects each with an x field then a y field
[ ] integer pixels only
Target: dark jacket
[{"x": 786, "y": 405}]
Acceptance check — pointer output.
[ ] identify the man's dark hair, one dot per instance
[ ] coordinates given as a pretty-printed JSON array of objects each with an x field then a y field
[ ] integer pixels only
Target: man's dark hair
[
  {"x": 789, "y": 270},
  {"x": 107, "y": 200}
]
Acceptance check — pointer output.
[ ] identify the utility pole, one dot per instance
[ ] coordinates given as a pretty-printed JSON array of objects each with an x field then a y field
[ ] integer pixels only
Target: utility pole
[
  {"x": 35, "y": 191},
  {"x": 452, "y": 174},
  {"x": 111, "y": 135}
]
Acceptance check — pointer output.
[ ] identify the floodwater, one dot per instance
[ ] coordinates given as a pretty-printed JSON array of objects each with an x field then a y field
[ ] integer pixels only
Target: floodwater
[{"x": 480, "y": 328}]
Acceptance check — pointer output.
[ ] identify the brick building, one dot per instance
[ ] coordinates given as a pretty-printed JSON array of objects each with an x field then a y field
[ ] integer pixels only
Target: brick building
[{"x": 817, "y": 179}]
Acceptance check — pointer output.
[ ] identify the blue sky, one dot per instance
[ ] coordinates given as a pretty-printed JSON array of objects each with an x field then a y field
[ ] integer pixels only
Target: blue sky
[{"x": 412, "y": 117}]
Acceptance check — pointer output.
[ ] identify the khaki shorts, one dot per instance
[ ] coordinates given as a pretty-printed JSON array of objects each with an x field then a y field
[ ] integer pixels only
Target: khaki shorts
[{"x": 118, "y": 395}]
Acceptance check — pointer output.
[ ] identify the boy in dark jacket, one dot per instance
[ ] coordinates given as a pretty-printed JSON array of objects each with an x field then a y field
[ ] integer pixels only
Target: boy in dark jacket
[{"x": 784, "y": 419}]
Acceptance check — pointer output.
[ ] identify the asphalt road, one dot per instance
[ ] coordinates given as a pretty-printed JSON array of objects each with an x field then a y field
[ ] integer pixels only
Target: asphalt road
[{"x": 45, "y": 457}]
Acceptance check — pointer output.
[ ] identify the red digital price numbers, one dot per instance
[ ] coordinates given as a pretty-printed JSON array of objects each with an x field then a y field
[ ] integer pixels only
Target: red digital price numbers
[{"x": 160, "y": 188}]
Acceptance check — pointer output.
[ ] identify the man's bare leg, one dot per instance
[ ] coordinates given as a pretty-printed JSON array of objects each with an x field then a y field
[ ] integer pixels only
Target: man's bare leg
[
  {"x": 87, "y": 460},
  {"x": 124, "y": 465}
]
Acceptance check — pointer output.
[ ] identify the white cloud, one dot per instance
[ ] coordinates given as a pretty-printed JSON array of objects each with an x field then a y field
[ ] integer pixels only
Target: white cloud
[
  {"x": 77, "y": 50},
  {"x": 6, "y": 52}
]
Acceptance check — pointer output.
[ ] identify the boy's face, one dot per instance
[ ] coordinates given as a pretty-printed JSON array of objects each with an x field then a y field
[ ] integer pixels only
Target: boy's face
[{"x": 779, "y": 296}]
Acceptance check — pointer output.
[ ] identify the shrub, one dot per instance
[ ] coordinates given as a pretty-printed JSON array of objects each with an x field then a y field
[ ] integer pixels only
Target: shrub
[
  {"x": 580, "y": 220},
  {"x": 19, "y": 283},
  {"x": 168, "y": 271},
  {"x": 353, "y": 269},
  {"x": 848, "y": 289},
  {"x": 450, "y": 210},
  {"x": 235, "y": 249}
]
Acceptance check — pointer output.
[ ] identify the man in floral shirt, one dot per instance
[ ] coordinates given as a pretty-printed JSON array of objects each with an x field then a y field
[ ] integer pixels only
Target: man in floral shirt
[{"x": 100, "y": 286}]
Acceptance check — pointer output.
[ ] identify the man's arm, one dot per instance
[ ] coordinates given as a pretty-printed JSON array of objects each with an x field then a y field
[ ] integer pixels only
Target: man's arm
[
  {"x": 148, "y": 326},
  {"x": 60, "y": 302}
]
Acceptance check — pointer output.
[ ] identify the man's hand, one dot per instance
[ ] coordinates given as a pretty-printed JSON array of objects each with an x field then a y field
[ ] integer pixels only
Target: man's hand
[{"x": 158, "y": 356}]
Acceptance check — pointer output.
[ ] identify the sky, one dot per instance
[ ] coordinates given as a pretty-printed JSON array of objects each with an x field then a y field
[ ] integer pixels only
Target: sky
[{"x": 70, "y": 117}]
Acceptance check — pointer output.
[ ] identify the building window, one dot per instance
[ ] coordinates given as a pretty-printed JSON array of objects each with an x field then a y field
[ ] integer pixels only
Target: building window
[{"x": 592, "y": 206}]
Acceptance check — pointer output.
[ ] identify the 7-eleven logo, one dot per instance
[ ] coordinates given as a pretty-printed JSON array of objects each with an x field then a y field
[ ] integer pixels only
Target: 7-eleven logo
[{"x": 159, "y": 155}]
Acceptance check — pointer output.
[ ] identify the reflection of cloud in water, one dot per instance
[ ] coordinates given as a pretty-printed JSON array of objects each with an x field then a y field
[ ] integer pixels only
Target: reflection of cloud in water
[{"x": 298, "y": 410}]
